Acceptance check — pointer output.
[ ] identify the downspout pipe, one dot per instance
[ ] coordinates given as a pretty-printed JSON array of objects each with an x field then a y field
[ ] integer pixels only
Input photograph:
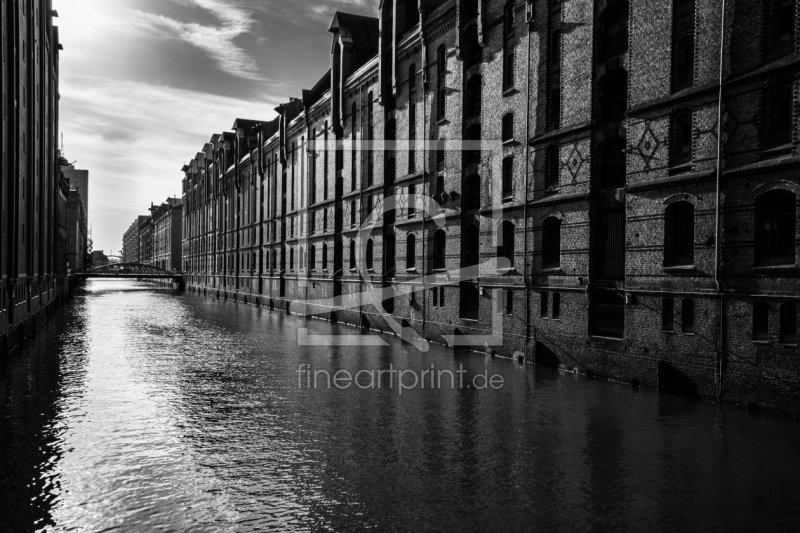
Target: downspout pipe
[
  {"x": 525, "y": 275},
  {"x": 717, "y": 283}
]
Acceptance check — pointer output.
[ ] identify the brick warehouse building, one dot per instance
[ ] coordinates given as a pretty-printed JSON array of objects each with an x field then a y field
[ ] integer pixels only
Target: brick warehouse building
[
  {"x": 33, "y": 193},
  {"x": 647, "y": 234}
]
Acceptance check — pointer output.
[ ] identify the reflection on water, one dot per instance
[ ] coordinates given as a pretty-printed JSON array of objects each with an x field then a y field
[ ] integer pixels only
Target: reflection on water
[{"x": 138, "y": 409}]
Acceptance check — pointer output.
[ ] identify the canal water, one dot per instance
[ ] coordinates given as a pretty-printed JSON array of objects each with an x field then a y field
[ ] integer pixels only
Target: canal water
[{"x": 139, "y": 409}]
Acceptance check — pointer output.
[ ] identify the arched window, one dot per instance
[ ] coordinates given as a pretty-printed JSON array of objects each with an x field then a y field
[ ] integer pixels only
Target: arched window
[
  {"x": 779, "y": 28},
  {"x": 554, "y": 107},
  {"x": 325, "y": 257},
  {"x": 312, "y": 258},
  {"x": 777, "y": 116},
  {"x": 681, "y": 138},
  {"x": 472, "y": 152},
  {"x": 472, "y": 193},
  {"x": 472, "y": 96},
  {"x": 472, "y": 246},
  {"x": 439, "y": 249},
  {"x": 508, "y": 177},
  {"x": 508, "y": 127},
  {"x": 291, "y": 258},
  {"x": 608, "y": 315},
  {"x": 441, "y": 72},
  {"x": 551, "y": 243},
  {"x": 679, "y": 234},
  {"x": 613, "y": 95},
  {"x": 788, "y": 333},
  {"x": 552, "y": 167},
  {"x": 302, "y": 257},
  {"x": 353, "y": 213},
  {"x": 505, "y": 249},
  {"x": 611, "y": 163},
  {"x": 411, "y": 251},
  {"x": 352, "y": 255},
  {"x": 614, "y": 29},
  {"x": 775, "y": 228},
  {"x": 266, "y": 260},
  {"x": 370, "y": 247}
]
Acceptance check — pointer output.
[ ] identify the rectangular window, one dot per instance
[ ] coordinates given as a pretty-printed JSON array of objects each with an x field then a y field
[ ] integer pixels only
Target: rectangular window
[
  {"x": 760, "y": 321},
  {"x": 441, "y": 296},
  {"x": 789, "y": 323},
  {"x": 498, "y": 301},
  {"x": 412, "y": 211},
  {"x": 435, "y": 296},
  {"x": 667, "y": 315},
  {"x": 687, "y": 316},
  {"x": 508, "y": 177},
  {"x": 543, "y": 312},
  {"x": 557, "y": 306},
  {"x": 509, "y": 302}
]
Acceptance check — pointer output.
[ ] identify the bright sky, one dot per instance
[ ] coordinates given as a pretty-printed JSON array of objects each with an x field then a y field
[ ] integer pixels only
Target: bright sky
[{"x": 145, "y": 83}]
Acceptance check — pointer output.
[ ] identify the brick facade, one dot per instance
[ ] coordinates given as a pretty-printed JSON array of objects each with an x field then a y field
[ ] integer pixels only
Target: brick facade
[{"x": 596, "y": 187}]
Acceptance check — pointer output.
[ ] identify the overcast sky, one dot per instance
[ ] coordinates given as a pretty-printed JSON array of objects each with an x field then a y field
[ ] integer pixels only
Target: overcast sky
[{"x": 145, "y": 83}]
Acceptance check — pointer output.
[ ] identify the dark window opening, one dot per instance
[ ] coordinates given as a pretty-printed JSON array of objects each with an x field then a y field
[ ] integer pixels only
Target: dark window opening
[
  {"x": 552, "y": 167},
  {"x": 556, "y": 306},
  {"x": 442, "y": 80},
  {"x": 684, "y": 63},
  {"x": 473, "y": 94},
  {"x": 679, "y": 235},
  {"x": 509, "y": 302},
  {"x": 667, "y": 314},
  {"x": 440, "y": 156},
  {"x": 411, "y": 252},
  {"x": 608, "y": 315},
  {"x": 681, "y": 145},
  {"x": 352, "y": 255},
  {"x": 788, "y": 323},
  {"x": 505, "y": 249},
  {"x": 472, "y": 193},
  {"x": 472, "y": 152},
  {"x": 508, "y": 127},
  {"x": 509, "y": 64},
  {"x": 613, "y": 95},
  {"x": 470, "y": 301},
  {"x": 611, "y": 163},
  {"x": 551, "y": 243},
  {"x": 610, "y": 244},
  {"x": 369, "y": 254},
  {"x": 760, "y": 321},
  {"x": 687, "y": 316},
  {"x": 324, "y": 257},
  {"x": 777, "y": 116},
  {"x": 412, "y": 201},
  {"x": 614, "y": 29},
  {"x": 472, "y": 243},
  {"x": 472, "y": 52},
  {"x": 439, "y": 249},
  {"x": 779, "y": 28},
  {"x": 508, "y": 177},
  {"x": 776, "y": 230},
  {"x": 543, "y": 305}
]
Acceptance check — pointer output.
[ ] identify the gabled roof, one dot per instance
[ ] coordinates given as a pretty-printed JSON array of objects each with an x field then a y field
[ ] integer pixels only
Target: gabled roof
[
  {"x": 320, "y": 88},
  {"x": 364, "y": 32}
]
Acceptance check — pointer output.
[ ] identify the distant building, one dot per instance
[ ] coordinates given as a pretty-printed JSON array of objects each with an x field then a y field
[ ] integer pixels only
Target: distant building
[
  {"x": 167, "y": 234},
  {"x": 78, "y": 181},
  {"x": 146, "y": 241},
  {"x": 77, "y": 235},
  {"x": 131, "y": 243}
]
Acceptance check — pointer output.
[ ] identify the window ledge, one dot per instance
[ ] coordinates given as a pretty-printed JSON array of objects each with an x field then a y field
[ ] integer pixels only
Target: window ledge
[
  {"x": 468, "y": 319},
  {"x": 788, "y": 345},
  {"x": 412, "y": 269},
  {"x": 508, "y": 199},
  {"x": 679, "y": 269},
  {"x": 668, "y": 331},
  {"x": 510, "y": 91},
  {"x": 510, "y": 142},
  {"x": 688, "y": 334},
  {"x": 680, "y": 168},
  {"x": 776, "y": 151},
  {"x": 602, "y": 337},
  {"x": 762, "y": 343},
  {"x": 439, "y": 270},
  {"x": 442, "y": 121},
  {"x": 775, "y": 268},
  {"x": 553, "y": 270}
]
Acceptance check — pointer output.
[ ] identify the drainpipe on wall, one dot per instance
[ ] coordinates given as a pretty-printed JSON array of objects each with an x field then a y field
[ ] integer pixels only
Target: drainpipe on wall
[
  {"x": 720, "y": 306},
  {"x": 526, "y": 279}
]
